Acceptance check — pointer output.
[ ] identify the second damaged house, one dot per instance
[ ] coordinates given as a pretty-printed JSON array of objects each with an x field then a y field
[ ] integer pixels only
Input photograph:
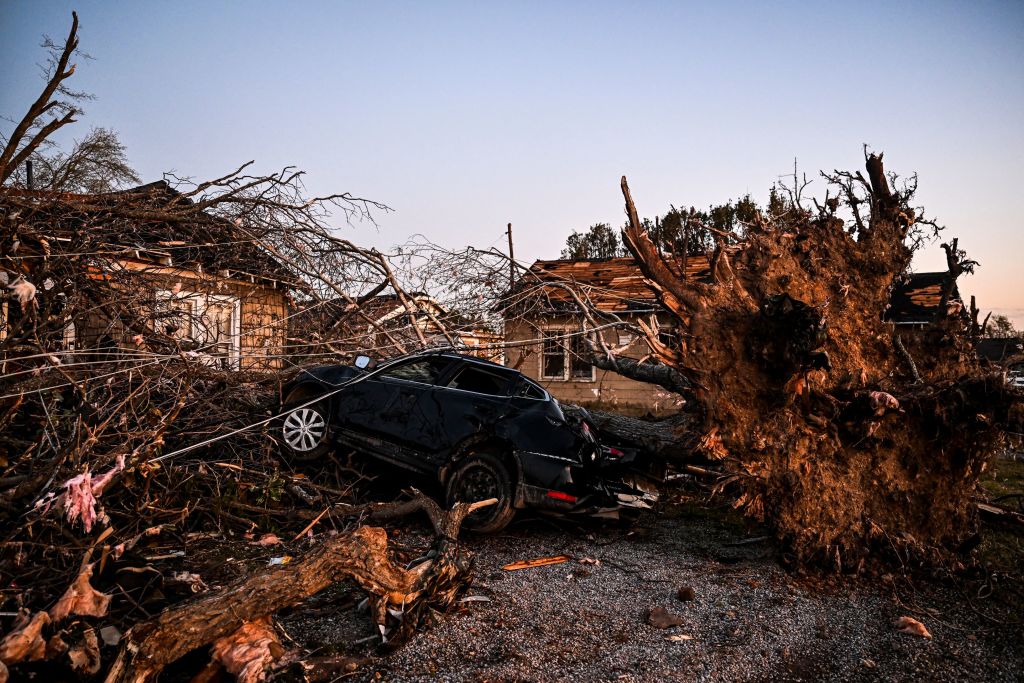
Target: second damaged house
[
  {"x": 543, "y": 326},
  {"x": 149, "y": 285}
]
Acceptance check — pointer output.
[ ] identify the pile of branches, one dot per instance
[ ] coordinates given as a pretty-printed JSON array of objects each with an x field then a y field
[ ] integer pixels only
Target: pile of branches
[{"x": 130, "y": 423}]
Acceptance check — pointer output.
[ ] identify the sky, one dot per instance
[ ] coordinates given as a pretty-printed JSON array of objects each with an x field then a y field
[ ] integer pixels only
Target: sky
[{"x": 463, "y": 117}]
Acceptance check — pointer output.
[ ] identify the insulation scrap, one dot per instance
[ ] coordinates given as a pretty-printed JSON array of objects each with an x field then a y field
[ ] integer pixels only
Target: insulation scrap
[
  {"x": 81, "y": 493},
  {"x": 268, "y": 539},
  {"x": 23, "y": 290},
  {"x": 248, "y": 652},
  {"x": 881, "y": 401}
]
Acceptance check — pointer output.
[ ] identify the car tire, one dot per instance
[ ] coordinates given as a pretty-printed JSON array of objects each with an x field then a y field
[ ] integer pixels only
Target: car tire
[
  {"x": 480, "y": 477},
  {"x": 305, "y": 430}
]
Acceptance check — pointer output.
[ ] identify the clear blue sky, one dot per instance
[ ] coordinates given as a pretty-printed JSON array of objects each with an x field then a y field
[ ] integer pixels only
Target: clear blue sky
[{"x": 465, "y": 116}]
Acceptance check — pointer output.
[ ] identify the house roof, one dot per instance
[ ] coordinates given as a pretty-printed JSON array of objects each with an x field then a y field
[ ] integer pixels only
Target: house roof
[
  {"x": 999, "y": 349},
  {"x": 135, "y": 232},
  {"x": 612, "y": 284},
  {"x": 617, "y": 285}
]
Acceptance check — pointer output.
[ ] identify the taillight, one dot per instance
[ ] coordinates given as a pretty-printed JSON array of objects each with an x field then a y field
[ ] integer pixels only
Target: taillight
[
  {"x": 558, "y": 495},
  {"x": 614, "y": 452}
]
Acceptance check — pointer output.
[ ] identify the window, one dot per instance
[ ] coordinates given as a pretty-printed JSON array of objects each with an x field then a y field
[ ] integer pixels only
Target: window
[
  {"x": 425, "y": 371},
  {"x": 481, "y": 380},
  {"x": 563, "y": 358},
  {"x": 579, "y": 368},
  {"x": 207, "y": 323},
  {"x": 553, "y": 356},
  {"x": 528, "y": 389}
]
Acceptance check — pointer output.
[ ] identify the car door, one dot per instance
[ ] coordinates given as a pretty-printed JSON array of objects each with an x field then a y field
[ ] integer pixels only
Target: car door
[
  {"x": 474, "y": 399},
  {"x": 388, "y": 413}
]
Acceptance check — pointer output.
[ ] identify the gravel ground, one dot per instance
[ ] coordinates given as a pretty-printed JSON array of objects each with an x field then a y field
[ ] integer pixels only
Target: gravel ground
[{"x": 749, "y": 619}]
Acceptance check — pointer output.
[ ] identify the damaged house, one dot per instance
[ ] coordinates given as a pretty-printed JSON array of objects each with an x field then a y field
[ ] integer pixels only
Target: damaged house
[
  {"x": 147, "y": 286},
  {"x": 543, "y": 321}
]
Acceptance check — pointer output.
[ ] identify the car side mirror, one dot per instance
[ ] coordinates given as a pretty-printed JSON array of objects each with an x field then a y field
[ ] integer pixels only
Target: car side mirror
[{"x": 365, "y": 363}]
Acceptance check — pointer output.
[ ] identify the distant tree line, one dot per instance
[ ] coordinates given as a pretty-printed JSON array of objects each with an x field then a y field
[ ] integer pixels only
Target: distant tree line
[{"x": 680, "y": 230}]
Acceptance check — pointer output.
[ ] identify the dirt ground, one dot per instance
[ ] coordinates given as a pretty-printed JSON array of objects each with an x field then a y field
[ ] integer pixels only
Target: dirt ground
[
  {"x": 749, "y": 620},
  {"x": 586, "y": 619}
]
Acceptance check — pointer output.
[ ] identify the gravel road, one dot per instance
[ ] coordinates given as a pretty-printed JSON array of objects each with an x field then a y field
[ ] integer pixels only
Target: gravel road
[{"x": 749, "y": 620}]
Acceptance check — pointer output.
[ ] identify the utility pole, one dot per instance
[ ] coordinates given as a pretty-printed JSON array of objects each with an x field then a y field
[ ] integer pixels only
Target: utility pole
[
  {"x": 28, "y": 175},
  {"x": 511, "y": 259}
]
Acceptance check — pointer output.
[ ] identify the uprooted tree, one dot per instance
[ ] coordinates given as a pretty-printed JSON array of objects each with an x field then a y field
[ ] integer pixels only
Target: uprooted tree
[{"x": 848, "y": 439}]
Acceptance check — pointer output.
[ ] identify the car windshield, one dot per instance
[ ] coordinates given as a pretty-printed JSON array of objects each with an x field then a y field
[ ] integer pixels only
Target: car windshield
[{"x": 426, "y": 370}]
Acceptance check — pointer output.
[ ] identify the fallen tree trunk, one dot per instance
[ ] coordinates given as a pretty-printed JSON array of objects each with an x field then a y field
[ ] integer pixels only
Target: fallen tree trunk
[
  {"x": 361, "y": 556},
  {"x": 672, "y": 439}
]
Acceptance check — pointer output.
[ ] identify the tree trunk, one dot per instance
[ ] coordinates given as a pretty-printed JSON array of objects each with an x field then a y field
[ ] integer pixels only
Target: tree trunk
[{"x": 361, "y": 556}]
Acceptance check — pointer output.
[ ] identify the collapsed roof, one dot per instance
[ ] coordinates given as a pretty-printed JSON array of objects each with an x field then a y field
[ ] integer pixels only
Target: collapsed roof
[
  {"x": 617, "y": 285},
  {"x": 152, "y": 223}
]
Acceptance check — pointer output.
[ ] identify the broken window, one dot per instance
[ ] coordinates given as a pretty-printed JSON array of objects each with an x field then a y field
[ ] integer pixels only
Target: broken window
[
  {"x": 528, "y": 389},
  {"x": 482, "y": 381},
  {"x": 579, "y": 368},
  {"x": 216, "y": 324},
  {"x": 426, "y": 371},
  {"x": 553, "y": 356},
  {"x": 209, "y": 323}
]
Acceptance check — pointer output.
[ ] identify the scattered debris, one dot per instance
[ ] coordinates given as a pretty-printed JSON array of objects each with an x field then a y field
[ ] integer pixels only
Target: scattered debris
[
  {"x": 536, "y": 562},
  {"x": 912, "y": 626},
  {"x": 661, "y": 618},
  {"x": 25, "y": 641},
  {"x": 686, "y": 594},
  {"x": 81, "y": 598},
  {"x": 110, "y": 635},
  {"x": 85, "y": 656},
  {"x": 678, "y": 637}
]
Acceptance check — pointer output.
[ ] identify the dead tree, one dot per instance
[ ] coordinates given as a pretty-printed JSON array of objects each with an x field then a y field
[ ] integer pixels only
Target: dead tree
[{"x": 55, "y": 99}]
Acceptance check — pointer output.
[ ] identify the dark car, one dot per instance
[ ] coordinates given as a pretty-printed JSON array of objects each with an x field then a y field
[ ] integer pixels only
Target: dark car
[{"x": 480, "y": 429}]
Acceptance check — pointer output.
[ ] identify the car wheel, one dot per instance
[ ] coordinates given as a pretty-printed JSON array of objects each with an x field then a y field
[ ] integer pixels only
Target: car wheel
[
  {"x": 481, "y": 477},
  {"x": 304, "y": 431}
]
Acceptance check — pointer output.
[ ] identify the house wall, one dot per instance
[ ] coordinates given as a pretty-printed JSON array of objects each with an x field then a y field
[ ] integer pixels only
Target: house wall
[
  {"x": 607, "y": 391},
  {"x": 263, "y": 313}
]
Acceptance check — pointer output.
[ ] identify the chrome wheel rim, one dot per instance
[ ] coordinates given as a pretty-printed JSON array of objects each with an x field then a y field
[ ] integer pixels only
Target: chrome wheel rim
[{"x": 304, "y": 429}]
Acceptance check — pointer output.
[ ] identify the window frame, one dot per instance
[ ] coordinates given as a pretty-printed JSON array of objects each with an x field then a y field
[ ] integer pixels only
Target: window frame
[{"x": 566, "y": 343}]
